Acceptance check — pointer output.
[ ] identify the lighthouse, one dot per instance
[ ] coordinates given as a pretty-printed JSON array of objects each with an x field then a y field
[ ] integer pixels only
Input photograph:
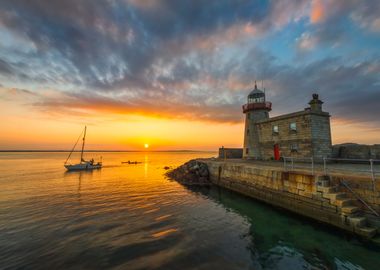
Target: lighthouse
[{"x": 256, "y": 110}]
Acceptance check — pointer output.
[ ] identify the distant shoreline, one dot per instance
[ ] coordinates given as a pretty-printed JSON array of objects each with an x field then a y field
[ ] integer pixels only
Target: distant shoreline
[{"x": 108, "y": 151}]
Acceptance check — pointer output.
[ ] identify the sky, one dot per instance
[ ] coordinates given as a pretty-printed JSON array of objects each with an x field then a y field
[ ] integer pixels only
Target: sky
[{"x": 174, "y": 74}]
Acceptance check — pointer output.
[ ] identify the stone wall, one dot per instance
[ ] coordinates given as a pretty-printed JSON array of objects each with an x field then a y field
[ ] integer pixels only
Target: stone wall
[
  {"x": 295, "y": 191},
  {"x": 295, "y": 183},
  {"x": 251, "y": 147},
  {"x": 356, "y": 151},
  {"x": 312, "y": 137},
  {"x": 230, "y": 153},
  {"x": 363, "y": 187},
  {"x": 321, "y": 136}
]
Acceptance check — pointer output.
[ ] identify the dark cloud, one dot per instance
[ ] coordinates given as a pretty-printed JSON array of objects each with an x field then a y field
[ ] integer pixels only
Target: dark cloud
[
  {"x": 114, "y": 44},
  {"x": 350, "y": 92},
  {"x": 366, "y": 13},
  {"x": 5, "y": 67},
  {"x": 173, "y": 19},
  {"x": 332, "y": 25},
  {"x": 174, "y": 58}
]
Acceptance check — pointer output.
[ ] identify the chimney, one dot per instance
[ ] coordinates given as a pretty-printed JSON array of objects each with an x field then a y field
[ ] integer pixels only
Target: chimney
[{"x": 316, "y": 104}]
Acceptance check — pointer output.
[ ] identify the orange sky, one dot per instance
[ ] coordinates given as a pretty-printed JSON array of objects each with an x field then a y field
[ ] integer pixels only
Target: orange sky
[{"x": 25, "y": 126}]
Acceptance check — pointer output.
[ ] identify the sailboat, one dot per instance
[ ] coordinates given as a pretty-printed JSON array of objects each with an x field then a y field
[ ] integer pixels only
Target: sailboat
[{"x": 83, "y": 164}]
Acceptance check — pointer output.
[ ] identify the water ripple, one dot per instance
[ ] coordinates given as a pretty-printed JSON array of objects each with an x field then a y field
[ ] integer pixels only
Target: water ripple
[{"x": 132, "y": 217}]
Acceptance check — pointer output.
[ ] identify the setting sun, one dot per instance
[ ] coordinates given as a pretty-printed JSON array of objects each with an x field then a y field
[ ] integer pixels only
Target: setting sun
[{"x": 146, "y": 146}]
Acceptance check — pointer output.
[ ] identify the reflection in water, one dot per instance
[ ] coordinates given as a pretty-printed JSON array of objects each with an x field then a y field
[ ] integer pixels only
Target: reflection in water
[
  {"x": 281, "y": 240},
  {"x": 79, "y": 183},
  {"x": 164, "y": 233},
  {"x": 127, "y": 217},
  {"x": 146, "y": 165},
  {"x": 77, "y": 175}
]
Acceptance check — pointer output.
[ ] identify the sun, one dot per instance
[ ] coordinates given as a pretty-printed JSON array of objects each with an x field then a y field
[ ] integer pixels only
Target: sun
[{"x": 146, "y": 146}]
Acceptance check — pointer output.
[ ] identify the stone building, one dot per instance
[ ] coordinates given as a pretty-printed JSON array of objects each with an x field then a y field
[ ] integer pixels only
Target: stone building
[
  {"x": 227, "y": 153},
  {"x": 302, "y": 134}
]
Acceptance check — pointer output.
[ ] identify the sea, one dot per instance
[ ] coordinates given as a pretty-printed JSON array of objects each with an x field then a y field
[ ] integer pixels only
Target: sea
[{"x": 131, "y": 216}]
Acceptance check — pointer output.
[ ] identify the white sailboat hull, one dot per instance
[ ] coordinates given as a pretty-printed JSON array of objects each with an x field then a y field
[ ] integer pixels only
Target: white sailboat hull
[{"x": 82, "y": 166}]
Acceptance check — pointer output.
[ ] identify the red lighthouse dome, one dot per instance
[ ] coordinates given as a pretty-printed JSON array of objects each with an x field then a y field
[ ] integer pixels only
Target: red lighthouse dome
[{"x": 256, "y": 101}]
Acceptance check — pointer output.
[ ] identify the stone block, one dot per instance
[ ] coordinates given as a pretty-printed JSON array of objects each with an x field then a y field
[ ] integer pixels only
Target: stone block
[
  {"x": 350, "y": 209},
  {"x": 376, "y": 201},
  {"x": 299, "y": 178},
  {"x": 306, "y": 180},
  {"x": 309, "y": 188},
  {"x": 327, "y": 189},
  {"x": 300, "y": 186},
  {"x": 357, "y": 221},
  {"x": 370, "y": 193},
  {"x": 345, "y": 202},
  {"x": 305, "y": 193},
  {"x": 366, "y": 232}
]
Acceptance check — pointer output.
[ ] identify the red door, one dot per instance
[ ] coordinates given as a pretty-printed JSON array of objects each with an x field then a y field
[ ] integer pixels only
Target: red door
[{"x": 276, "y": 150}]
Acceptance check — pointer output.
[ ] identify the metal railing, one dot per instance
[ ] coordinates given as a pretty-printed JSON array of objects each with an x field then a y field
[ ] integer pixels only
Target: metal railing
[
  {"x": 369, "y": 162},
  {"x": 292, "y": 163},
  {"x": 346, "y": 185},
  {"x": 366, "y": 167}
]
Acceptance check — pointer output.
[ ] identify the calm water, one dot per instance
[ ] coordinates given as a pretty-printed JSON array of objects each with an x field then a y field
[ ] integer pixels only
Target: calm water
[{"x": 131, "y": 217}]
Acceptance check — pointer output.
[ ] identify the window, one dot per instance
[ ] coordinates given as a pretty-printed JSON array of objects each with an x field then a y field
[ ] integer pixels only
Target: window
[
  {"x": 293, "y": 126},
  {"x": 246, "y": 150},
  {"x": 275, "y": 129},
  {"x": 294, "y": 147},
  {"x": 247, "y": 131}
]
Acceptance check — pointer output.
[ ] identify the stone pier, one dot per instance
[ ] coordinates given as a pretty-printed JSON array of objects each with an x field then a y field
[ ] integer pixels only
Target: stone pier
[{"x": 319, "y": 197}]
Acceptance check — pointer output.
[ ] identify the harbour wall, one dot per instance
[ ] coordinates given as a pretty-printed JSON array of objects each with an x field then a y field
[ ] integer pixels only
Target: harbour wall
[
  {"x": 313, "y": 196},
  {"x": 356, "y": 151},
  {"x": 225, "y": 153}
]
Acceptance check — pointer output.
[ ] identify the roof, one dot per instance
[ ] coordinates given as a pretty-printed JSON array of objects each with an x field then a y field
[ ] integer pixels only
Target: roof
[
  {"x": 291, "y": 115},
  {"x": 256, "y": 92}
]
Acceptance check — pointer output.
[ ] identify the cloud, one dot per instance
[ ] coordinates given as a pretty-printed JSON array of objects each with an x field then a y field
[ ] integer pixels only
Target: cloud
[
  {"x": 350, "y": 92},
  {"x": 203, "y": 92},
  {"x": 17, "y": 95},
  {"x": 183, "y": 59},
  {"x": 5, "y": 67},
  {"x": 317, "y": 11},
  {"x": 306, "y": 41},
  {"x": 368, "y": 16},
  {"x": 334, "y": 23},
  {"x": 95, "y": 105},
  {"x": 108, "y": 44}
]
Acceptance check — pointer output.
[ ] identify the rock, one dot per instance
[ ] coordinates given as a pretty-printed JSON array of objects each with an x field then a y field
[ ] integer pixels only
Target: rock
[
  {"x": 202, "y": 179},
  {"x": 203, "y": 172},
  {"x": 166, "y": 168},
  {"x": 192, "y": 172}
]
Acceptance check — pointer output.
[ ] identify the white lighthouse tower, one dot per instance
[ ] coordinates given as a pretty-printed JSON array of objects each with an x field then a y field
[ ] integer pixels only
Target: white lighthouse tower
[{"x": 255, "y": 110}]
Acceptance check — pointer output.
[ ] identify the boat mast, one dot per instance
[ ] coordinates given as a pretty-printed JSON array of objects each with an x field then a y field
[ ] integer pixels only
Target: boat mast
[
  {"x": 84, "y": 138},
  {"x": 72, "y": 150}
]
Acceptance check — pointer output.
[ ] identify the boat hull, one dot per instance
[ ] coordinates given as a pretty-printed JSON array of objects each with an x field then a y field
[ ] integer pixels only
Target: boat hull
[{"x": 83, "y": 166}]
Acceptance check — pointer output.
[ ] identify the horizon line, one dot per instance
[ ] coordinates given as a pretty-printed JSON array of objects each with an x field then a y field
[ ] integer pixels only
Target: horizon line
[{"x": 62, "y": 150}]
